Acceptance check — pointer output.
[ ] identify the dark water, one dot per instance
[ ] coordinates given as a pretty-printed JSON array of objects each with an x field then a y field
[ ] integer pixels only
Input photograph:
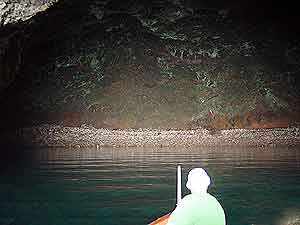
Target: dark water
[{"x": 134, "y": 186}]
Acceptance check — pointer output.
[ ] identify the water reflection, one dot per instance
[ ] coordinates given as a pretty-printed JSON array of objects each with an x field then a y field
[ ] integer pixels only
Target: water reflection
[{"x": 111, "y": 186}]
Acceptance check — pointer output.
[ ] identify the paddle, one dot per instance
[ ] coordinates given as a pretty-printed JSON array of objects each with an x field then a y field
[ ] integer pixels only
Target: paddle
[{"x": 178, "y": 184}]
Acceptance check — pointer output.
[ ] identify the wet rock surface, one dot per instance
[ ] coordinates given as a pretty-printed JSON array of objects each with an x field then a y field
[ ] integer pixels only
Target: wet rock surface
[{"x": 12, "y": 11}]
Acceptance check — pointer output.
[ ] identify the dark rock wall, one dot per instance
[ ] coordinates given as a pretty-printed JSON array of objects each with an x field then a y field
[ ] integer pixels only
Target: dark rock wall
[
  {"x": 11, "y": 49},
  {"x": 19, "y": 30},
  {"x": 14, "y": 22}
]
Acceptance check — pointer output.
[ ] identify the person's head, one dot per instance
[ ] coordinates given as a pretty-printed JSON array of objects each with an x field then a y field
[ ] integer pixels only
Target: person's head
[{"x": 198, "y": 180}]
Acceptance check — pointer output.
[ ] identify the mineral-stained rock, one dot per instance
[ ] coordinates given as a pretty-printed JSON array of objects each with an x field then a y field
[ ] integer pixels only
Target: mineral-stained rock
[{"x": 12, "y": 11}]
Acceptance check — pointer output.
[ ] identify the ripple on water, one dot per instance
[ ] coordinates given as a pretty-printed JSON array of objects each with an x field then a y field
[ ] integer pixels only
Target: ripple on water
[{"x": 113, "y": 186}]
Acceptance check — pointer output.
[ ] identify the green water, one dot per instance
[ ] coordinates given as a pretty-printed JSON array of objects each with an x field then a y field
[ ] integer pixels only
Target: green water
[{"x": 134, "y": 186}]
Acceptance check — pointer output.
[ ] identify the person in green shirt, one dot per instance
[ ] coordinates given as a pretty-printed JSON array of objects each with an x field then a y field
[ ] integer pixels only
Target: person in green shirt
[{"x": 199, "y": 207}]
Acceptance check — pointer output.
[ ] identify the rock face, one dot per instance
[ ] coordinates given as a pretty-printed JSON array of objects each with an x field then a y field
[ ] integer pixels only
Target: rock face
[
  {"x": 12, "y": 39},
  {"x": 12, "y": 11},
  {"x": 144, "y": 64}
]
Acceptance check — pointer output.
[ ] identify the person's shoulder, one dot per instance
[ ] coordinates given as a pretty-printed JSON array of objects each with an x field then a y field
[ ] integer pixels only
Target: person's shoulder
[
  {"x": 187, "y": 198},
  {"x": 202, "y": 198},
  {"x": 194, "y": 198},
  {"x": 211, "y": 198},
  {"x": 214, "y": 202}
]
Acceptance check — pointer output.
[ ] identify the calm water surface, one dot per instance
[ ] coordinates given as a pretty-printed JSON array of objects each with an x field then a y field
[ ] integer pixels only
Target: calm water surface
[{"x": 134, "y": 186}]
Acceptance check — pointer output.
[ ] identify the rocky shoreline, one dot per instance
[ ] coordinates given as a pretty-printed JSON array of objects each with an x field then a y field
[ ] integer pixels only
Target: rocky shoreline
[{"x": 59, "y": 136}]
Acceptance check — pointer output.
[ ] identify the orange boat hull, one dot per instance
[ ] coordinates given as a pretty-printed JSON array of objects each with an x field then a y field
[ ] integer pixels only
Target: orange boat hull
[{"x": 162, "y": 220}]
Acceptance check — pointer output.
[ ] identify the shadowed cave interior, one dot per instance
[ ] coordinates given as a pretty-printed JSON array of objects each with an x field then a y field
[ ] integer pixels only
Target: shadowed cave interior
[{"x": 153, "y": 64}]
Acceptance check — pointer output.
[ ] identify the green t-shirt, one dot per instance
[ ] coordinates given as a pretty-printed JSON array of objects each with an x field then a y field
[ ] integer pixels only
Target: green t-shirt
[{"x": 198, "y": 209}]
